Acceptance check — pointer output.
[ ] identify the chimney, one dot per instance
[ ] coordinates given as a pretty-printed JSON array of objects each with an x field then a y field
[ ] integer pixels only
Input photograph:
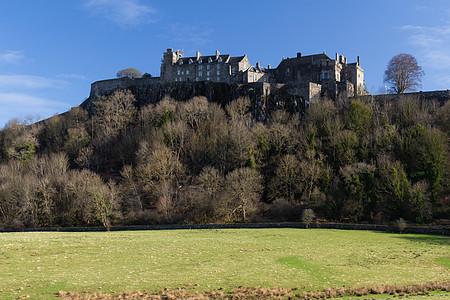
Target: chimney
[
  {"x": 299, "y": 54},
  {"x": 257, "y": 65},
  {"x": 198, "y": 56},
  {"x": 268, "y": 66},
  {"x": 337, "y": 57},
  {"x": 323, "y": 51},
  {"x": 358, "y": 61},
  {"x": 217, "y": 54}
]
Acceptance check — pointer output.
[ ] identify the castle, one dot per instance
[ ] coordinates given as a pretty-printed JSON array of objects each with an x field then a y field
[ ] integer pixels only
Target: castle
[
  {"x": 292, "y": 85},
  {"x": 316, "y": 73}
]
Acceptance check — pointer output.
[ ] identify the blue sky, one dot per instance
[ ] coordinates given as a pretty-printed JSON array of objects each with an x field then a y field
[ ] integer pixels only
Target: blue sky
[{"x": 52, "y": 50}]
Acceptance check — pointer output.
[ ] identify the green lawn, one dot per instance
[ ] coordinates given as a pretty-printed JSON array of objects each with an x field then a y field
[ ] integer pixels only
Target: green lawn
[{"x": 40, "y": 264}]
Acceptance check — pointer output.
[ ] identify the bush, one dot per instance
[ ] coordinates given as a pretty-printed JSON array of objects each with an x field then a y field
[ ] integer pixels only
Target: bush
[
  {"x": 400, "y": 224},
  {"x": 308, "y": 216}
]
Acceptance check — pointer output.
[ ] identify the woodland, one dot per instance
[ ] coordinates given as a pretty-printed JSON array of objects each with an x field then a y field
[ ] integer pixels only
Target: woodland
[{"x": 348, "y": 160}]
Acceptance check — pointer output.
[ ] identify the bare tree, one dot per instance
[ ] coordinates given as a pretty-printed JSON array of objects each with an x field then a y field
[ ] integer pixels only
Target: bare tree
[
  {"x": 243, "y": 190},
  {"x": 308, "y": 216},
  {"x": 113, "y": 113},
  {"x": 403, "y": 73},
  {"x": 131, "y": 73}
]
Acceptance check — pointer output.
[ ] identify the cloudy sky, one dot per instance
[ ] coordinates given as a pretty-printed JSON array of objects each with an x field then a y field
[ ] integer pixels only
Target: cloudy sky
[{"x": 52, "y": 50}]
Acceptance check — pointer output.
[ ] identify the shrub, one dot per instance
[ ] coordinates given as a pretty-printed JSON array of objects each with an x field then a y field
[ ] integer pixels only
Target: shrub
[
  {"x": 308, "y": 216},
  {"x": 400, "y": 224}
]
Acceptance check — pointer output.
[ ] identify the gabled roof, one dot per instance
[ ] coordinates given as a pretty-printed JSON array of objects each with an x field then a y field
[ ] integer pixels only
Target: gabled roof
[
  {"x": 308, "y": 58},
  {"x": 226, "y": 58},
  {"x": 236, "y": 59},
  {"x": 258, "y": 70}
]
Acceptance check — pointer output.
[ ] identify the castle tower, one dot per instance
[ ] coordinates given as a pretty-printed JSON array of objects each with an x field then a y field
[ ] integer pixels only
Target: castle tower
[{"x": 169, "y": 59}]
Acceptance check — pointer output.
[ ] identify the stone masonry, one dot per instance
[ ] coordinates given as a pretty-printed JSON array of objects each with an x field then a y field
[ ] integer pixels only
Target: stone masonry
[{"x": 333, "y": 76}]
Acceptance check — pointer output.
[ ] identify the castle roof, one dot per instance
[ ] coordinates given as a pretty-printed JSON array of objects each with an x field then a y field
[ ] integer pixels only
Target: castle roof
[
  {"x": 226, "y": 58},
  {"x": 308, "y": 58}
]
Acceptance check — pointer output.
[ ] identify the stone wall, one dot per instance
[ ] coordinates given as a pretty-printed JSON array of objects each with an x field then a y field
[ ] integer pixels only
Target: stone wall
[
  {"x": 435, "y": 230},
  {"x": 440, "y": 96},
  {"x": 265, "y": 97}
]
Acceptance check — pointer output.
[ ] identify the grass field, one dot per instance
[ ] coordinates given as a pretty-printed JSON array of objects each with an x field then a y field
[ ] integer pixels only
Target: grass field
[{"x": 40, "y": 264}]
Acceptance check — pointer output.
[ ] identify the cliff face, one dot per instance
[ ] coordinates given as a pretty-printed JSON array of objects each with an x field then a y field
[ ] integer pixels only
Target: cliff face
[{"x": 264, "y": 97}]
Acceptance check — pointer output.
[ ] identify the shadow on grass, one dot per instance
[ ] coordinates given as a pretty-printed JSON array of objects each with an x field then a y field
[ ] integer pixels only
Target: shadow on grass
[{"x": 428, "y": 239}]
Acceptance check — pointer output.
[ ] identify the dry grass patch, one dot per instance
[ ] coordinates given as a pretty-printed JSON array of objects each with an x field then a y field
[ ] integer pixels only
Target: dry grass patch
[{"x": 267, "y": 293}]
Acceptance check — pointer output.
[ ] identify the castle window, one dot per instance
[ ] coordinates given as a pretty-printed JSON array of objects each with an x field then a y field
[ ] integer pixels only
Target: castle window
[
  {"x": 207, "y": 78},
  {"x": 218, "y": 66},
  {"x": 196, "y": 79},
  {"x": 218, "y": 78},
  {"x": 178, "y": 72},
  {"x": 187, "y": 72},
  {"x": 200, "y": 73},
  {"x": 325, "y": 76},
  {"x": 287, "y": 71},
  {"x": 255, "y": 77},
  {"x": 233, "y": 70},
  {"x": 320, "y": 77},
  {"x": 207, "y": 73},
  {"x": 181, "y": 79},
  {"x": 265, "y": 79},
  {"x": 182, "y": 72},
  {"x": 218, "y": 72},
  {"x": 208, "y": 67},
  {"x": 200, "y": 68},
  {"x": 181, "y": 62}
]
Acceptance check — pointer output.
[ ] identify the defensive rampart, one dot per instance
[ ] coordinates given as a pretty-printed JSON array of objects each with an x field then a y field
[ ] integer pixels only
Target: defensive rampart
[
  {"x": 265, "y": 97},
  {"x": 440, "y": 96}
]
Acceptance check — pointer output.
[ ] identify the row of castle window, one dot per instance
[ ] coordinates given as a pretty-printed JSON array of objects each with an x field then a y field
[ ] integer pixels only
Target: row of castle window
[
  {"x": 200, "y": 73},
  {"x": 208, "y": 67},
  {"x": 196, "y": 79},
  {"x": 322, "y": 76}
]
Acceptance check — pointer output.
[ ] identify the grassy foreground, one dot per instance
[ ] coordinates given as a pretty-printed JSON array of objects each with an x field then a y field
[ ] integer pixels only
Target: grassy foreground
[{"x": 40, "y": 264}]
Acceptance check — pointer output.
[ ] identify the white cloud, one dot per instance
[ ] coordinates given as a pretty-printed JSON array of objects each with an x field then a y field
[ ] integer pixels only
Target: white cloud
[
  {"x": 122, "y": 12},
  {"x": 420, "y": 7},
  {"x": 19, "y": 105},
  {"x": 189, "y": 35},
  {"x": 433, "y": 44},
  {"x": 72, "y": 76},
  {"x": 29, "y": 82},
  {"x": 11, "y": 57}
]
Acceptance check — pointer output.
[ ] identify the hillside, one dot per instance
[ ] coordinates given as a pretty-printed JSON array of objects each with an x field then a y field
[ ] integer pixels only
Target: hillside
[{"x": 136, "y": 156}]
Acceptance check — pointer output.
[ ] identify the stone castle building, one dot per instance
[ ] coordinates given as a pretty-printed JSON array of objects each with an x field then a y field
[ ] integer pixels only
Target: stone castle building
[
  {"x": 315, "y": 74},
  {"x": 216, "y": 68}
]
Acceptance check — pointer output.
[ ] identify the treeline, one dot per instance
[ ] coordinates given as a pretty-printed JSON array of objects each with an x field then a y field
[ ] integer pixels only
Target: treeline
[{"x": 196, "y": 162}]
